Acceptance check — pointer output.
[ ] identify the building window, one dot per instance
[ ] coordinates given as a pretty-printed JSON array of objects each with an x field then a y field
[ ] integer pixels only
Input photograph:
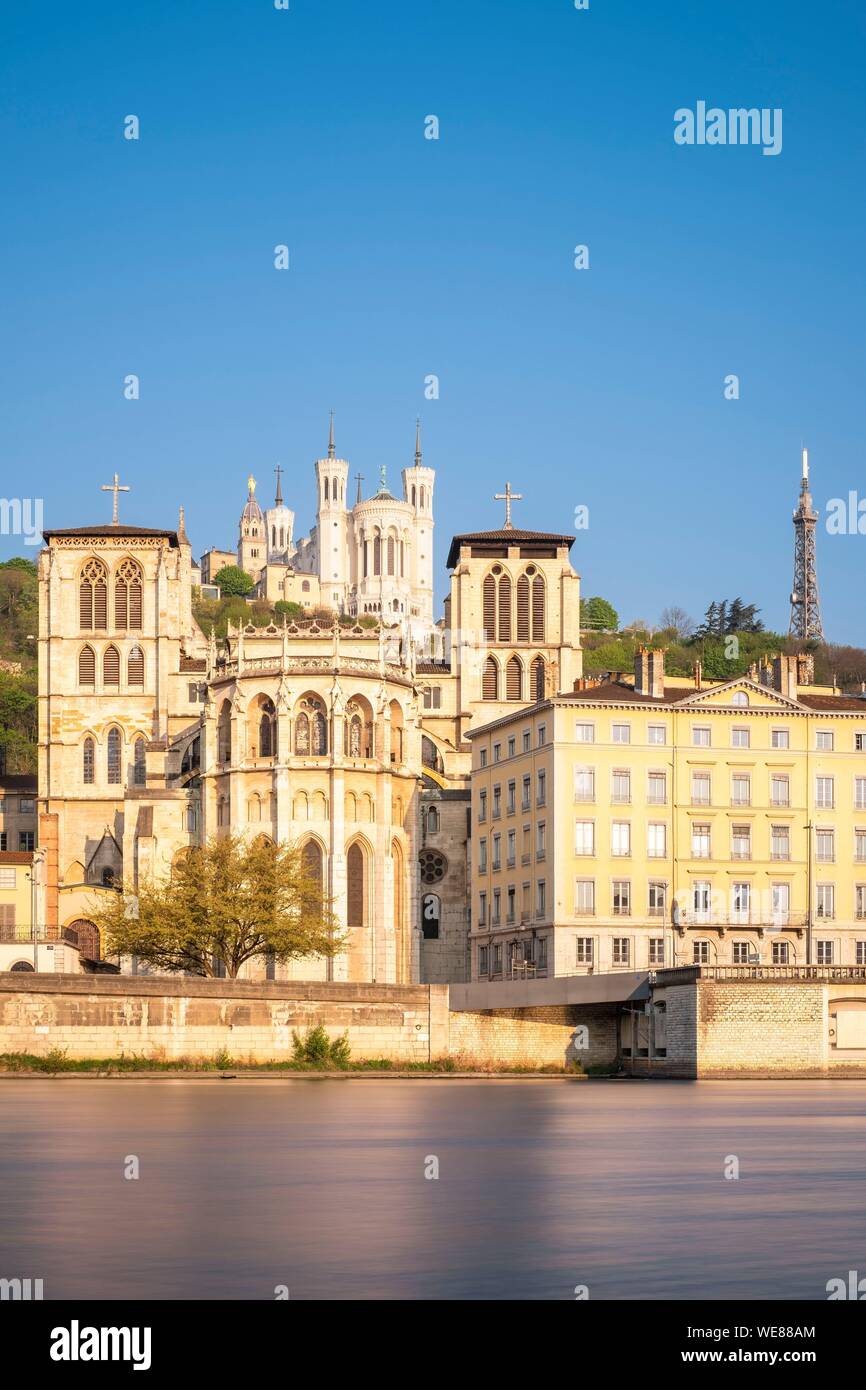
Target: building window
[
  {"x": 27, "y": 806},
  {"x": 139, "y": 763},
  {"x": 87, "y": 668},
  {"x": 741, "y": 842},
  {"x": 824, "y": 952},
  {"x": 621, "y": 733},
  {"x": 482, "y": 909},
  {"x": 584, "y": 733},
  {"x": 740, "y": 952},
  {"x": 824, "y": 793},
  {"x": 780, "y": 738},
  {"x": 860, "y": 793},
  {"x": 621, "y": 897},
  {"x": 482, "y": 856},
  {"x": 111, "y": 667},
  {"x": 496, "y": 862},
  {"x": 780, "y": 789},
  {"x": 542, "y": 953},
  {"x": 657, "y": 894},
  {"x": 860, "y": 952},
  {"x": 701, "y": 901},
  {"x": 701, "y": 788},
  {"x": 701, "y": 736},
  {"x": 540, "y": 840},
  {"x": 584, "y": 898},
  {"x": 860, "y": 743},
  {"x": 780, "y": 842},
  {"x": 497, "y": 802},
  {"x": 113, "y": 751},
  {"x": 700, "y": 841},
  {"x": 127, "y": 596},
  {"x": 584, "y": 837},
  {"x": 490, "y": 680},
  {"x": 741, "y": 789},
  {"x": 656, "y": 950},
  {"x": 434, "y": 866},
  {"x": 93, "y": 597},
  {"x": 701, "y": 952},
  {"x": 656, "y": 840},
  {"x": 511, "y": 748},
  {"x": 483, "y": 757},
  {"x": 88, "y": 761},
  {"x": 741, "y": 898},
  {"x": 496, "y": 918},
  {"x": 497, "y": 752},
  {"x": 433, "y": 697},
  {"x": 432, "y": 821},
  {"x": 824, "y": 740},
  {"x": 483, "y": 955},
  {"x": 526, "y": 794},
  {"x": 739, "y": 697},
  {"x": 511, "y": 799},
  {"x": 860, "y": 901},
  {"x": 657, "y": 733},
  {"x": 540, "y": 898},
  {"x": 621, "y": 950},
  {"x": 497, "y": 959},
  {"x": 657, "y": 788},
  {"x": 542, "y": 735},
  {"x": 26, "y": 840},
  {"x": 781, "y": 953},
  {"x": 584, "y": 784},
  {"x": 824, "y": 846},
  {"x": 511, "y": 850},
  {"x": 620, "y": 786},
  {"x": 583, "y": 950},
  {"x": 8, "y": 877},
  {"x": 527, "y": 738},
  {"x": 825, "y": 900},
  {"x": 740, "y": 738},
  {"x": 620, "y": 838},
  {"x": 542, "y": 788}
]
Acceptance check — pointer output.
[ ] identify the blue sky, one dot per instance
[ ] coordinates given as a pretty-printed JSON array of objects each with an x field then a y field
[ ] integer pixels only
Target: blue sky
[{"x": 601, "y": 387}]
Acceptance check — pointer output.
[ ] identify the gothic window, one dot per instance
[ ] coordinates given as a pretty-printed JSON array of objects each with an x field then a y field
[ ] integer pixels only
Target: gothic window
[
  {"x": 88, "y": 765},
  {"x": 538, "y": 609},
  {"x": 111, "y": 667},
  {"x": 433, "y": 865},
  {"x": 305, "y": 587},
  {"x": 87, "y": 667},
  {"x": 273, "y": 537},
  {"x": 302, "y": 734},
  {"x": 354, "y": 731},
  {"x": 402, "y": 559},
  {"x": 356, "y": 915},
  {"x": 93, "y": 596},
  {"x": 490, "y": 680},
  {"x": 224, "y": 734},
  {"x": 282, "y": 537},
  {"x": 365, "y": 547},
  {"x": 135, "y": 667},
  {"x": 538, "y": 678},
  {"x": 127, "y": 596},
  {"x": 523, "y": 609},
  {"x": 390, "y": 554},
  {"x": 139, "y": 763},
  {"x": 113, "y": 750},
  {"x": 319, "y": 735},
  {"x": 265, "y": 731},
  {"x": 432, "y": 821},
  {"x": 377, "y": 554},
  {"x": 514, "y": 679},
  {"x": 326, "y": 490},
  {"x": 334, "y": 489},
  {"x": 505, "y": 609},
  {"x": 422, "y": 499},
  {"x": 313, "y": 863},
  {"x": 489, "y": 608}
]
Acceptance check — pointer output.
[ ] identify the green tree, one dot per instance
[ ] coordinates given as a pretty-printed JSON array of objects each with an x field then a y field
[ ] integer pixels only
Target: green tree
[
  {"x": 291, "y": 610},
  {"x": 598, "y": 614},
  {"x": 228, "y": 901},
  {"x": 232, "y": 580}
]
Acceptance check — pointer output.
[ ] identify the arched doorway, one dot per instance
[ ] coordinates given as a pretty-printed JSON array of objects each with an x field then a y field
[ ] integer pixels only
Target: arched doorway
[{"x": 86, "y": 936}]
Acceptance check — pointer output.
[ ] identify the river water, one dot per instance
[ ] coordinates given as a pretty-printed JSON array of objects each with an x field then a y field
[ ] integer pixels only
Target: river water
[{"x": 321, "y": 1186}]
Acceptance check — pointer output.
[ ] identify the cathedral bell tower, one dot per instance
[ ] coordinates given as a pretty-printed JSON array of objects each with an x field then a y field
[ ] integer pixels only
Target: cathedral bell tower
[{"x": 332, "y": 477}]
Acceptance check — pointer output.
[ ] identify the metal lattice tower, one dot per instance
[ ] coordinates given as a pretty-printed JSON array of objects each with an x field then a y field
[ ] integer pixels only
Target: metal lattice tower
[{"x": 805, "y": 607}]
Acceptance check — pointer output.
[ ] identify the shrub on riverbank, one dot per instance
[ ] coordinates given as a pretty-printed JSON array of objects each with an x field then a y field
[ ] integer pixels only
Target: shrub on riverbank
[{"x": 57, "y": 1061}]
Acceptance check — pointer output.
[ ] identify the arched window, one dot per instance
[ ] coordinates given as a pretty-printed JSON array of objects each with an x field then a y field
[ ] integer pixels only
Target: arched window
[
  {"x": 514, "y": 679},
  {"x": 538, "y": 609},
  {"x": 402, "y": 559},
  {"x": 265, "y": 737},
  {"x": 489, "y": 608},
  {"x": 423, "y": 499},
  {"x": 538, "y": 678},
  {"x": 432, "y": 821},
  {"x": 88, "y": 760},
  {"x": 135, "y": 667},
  {"x": 354, "y": 734},
  {"x": 490, "y": 680},
  {"x": 305, "y": 587},
  {"x": 414, "y": 496},
  {"x": 111, "y": 667},
  {"x": 302, "y": 734},
  {"x": 377, "y": 555},
  {"x": 93, "y": 596},
  {"x": 139, "y": 762},
  {"x": 390, "y": 554},
  {"x": 326, "y": 490},
  {"x": 523, "y": 609},
  {"x": 86, "y": 936},
  {"x": 505, "y": 609},
  {"x": 318, "y": 735},
  {"x": 127, "y": 596},
  {"x": 113, "y": 751},
  {"x": 87, "y": 668},
  {"x": 224, "y": 734},
  {"x": 356, "y": 914}
]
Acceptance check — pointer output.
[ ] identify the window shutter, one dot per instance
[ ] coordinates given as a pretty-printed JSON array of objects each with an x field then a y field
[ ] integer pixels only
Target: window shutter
[
  {"x": 135, "y": 667},
  {"x": 490, "y": 682},
  {"x": 121, "y": 606},
  {"x": 85, "y": 600},
  {"x": 489, "y": 608},
  {"x": 523, "y": 609},
  {"x": 538, "y": 678},
  {"x": 513, "y": 680},
  {"x": 111, "y": 666},
  {"x": 505, "y": 609},
  {"x": 538, "y": 609},
  {"x": 86, "y": 667}
]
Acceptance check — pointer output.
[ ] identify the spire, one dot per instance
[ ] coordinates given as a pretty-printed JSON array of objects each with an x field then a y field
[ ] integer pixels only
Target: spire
[
  {"x": 360, "y": 478},
  {"x": 418, "y": 441},
  {"x": 331, "y": 453},
  {"x": 278, "y": 500},
  {"x": 181, "y": 528}
]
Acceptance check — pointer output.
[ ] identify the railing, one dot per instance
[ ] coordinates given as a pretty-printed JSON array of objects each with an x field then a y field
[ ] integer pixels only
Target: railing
[
  {"x": 827, "y": 974},
  {"x": 687, "y": 917},
  {"x": 21, "y": 935}
]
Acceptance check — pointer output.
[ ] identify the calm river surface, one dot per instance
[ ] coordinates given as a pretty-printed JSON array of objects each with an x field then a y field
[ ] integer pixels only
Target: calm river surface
[{"x": 543, "y": 1185}]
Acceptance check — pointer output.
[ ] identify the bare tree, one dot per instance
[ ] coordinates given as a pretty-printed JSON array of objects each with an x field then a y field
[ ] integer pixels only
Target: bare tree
[{"x": 678, "y": 620}]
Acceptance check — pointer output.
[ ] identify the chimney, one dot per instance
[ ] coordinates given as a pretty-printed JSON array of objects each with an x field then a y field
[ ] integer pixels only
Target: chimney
[
  {"x": 785, "y": 675},
  {"x": 649, "y": 672},
  {"x": 805, "y": 668},
  {"x": 699, "y": 670}
]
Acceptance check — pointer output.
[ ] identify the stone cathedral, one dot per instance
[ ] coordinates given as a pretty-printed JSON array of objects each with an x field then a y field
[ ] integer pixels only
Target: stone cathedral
[{"x": 347, "y": 737}]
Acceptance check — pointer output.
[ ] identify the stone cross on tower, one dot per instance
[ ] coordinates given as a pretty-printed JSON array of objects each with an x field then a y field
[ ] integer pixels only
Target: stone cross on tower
[
  {"x": 508, "y": 497},
  {"x": 115, "y": 487}
]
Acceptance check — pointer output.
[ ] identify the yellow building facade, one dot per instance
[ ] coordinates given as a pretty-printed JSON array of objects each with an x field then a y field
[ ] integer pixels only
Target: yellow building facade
[{"x": 648, "y": 821}]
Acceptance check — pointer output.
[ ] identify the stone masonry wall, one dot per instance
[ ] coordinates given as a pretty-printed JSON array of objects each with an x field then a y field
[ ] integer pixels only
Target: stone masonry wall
[{"x": 554, "y": 1035}]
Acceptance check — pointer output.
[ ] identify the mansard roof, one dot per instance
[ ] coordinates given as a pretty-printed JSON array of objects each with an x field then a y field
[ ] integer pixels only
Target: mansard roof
[{"x": 502, "y": 539}]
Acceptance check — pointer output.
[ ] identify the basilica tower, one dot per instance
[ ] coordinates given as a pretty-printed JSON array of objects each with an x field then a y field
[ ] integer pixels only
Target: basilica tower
[{"x": 331, "y": 478}]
